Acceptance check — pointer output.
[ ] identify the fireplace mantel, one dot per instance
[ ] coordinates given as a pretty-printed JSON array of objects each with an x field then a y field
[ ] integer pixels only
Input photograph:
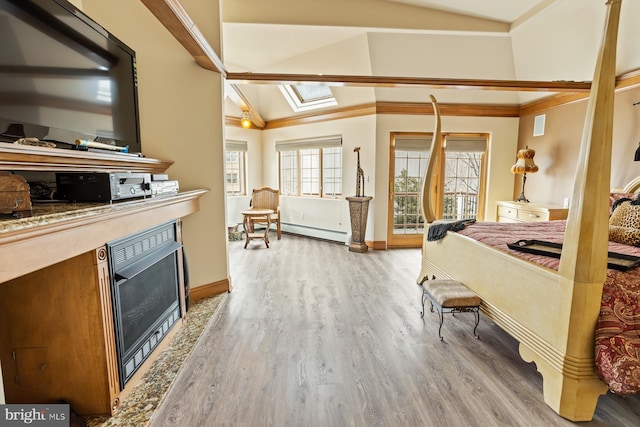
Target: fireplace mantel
[
  {"x": 56, "y": 320},
  {"x": 56, "y": 233},
  {"x": 26, "y": 157}
]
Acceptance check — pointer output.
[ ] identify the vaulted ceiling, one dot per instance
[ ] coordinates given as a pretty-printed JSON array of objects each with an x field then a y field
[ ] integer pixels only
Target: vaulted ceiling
[{"x": 496, "y": 40}]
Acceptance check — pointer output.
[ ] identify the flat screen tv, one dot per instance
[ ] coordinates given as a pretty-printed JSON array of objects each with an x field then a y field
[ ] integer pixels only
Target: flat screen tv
[{"x": 63, "y": 77}]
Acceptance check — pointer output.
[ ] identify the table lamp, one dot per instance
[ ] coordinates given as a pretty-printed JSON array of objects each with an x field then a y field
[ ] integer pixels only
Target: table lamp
[{"x": 523, "y": 166}]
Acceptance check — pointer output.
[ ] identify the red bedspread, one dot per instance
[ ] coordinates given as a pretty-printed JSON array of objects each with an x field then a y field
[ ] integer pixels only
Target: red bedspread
[{"x": 617, "y": 344}]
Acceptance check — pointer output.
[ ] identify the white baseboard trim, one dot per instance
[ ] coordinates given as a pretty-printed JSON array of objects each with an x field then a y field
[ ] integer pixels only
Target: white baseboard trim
[{"x": 318, "y": 233}]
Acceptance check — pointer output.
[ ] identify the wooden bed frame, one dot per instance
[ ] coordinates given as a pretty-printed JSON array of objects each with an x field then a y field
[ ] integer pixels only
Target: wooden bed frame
[{"x": 551, "y": 313}]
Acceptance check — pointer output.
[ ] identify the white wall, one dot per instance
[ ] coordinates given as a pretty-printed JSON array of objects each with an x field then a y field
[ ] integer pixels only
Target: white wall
[
  {"x": 324, "y": 214},
  {"x": 372, "y": 134},
  {"x": 253, "y": 137}
]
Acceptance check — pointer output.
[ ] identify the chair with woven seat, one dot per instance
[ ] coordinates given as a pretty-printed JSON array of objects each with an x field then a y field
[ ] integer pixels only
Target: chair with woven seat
[{"x": 267, "y": 198}]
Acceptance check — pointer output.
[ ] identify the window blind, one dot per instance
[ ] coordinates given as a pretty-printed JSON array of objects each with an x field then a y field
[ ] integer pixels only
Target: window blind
[
  {"x": 233, "y": 145},
  {"x": 466, "y": 144},
  {"x": 307, "y": 143},
  {"x": 412, "y": 143}
]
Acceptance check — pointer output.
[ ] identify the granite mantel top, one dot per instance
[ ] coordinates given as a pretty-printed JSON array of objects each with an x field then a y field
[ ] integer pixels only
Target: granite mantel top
[
  {"x": 58, "y": 231},
  {"x": 50, "y": 213},
  {"x": 47, "y": 213}
]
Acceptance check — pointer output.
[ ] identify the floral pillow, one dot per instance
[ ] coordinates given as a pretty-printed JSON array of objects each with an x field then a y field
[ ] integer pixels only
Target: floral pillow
[{"x": 624, "y": 224}]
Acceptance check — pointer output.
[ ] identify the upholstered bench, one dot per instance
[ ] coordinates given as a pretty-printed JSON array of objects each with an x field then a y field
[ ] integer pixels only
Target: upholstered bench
[{"x": 450, "y": 296}]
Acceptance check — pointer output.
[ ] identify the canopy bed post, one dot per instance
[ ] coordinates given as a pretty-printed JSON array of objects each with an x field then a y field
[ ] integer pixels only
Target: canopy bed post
[
  {"x": 431, "y": 180},
  {"x": 572, "y": 388},
  {"x": 552, "y": 312}
]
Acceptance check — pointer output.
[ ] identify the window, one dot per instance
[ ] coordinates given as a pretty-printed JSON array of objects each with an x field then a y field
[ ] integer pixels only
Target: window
[
  {"x": 235, "y": 168},
  {"x": 411, "y": 154},
  {"x": 460, "y": 167},
  {"x": 332, "y": 172},
  {"x": 310, "y": 171},
  {"x": 462, "y": 176},
  {"x": 288, "y": 172},
  {"x": 311, "y": 167},
  {"x": 308, "y": 97}
]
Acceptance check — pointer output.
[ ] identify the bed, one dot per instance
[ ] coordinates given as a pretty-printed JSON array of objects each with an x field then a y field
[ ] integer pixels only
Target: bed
[
  {"x": 552, "y": 313},
  {"x": 617, "y": 333}
]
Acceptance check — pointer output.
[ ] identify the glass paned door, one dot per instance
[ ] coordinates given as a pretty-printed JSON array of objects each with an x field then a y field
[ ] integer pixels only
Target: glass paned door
[
  {"x": 409, "y": 157},
  {"x": 460, "y": 193},
  {"x": 461, "y": 185}
]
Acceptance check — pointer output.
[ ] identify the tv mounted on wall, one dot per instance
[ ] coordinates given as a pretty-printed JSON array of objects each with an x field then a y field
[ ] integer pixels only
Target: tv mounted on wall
[{"x": 63, "y": 77}]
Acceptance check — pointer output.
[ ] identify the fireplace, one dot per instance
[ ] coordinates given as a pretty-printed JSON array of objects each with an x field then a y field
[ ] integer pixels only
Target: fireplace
[{"x": 145, "y": 285}]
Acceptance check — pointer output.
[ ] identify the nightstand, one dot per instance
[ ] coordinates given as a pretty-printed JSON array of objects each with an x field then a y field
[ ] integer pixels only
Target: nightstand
[{"x": 529, "y": 212}]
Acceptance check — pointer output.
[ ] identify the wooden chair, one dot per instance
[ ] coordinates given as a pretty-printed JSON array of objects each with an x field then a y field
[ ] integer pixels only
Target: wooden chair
[{"x": 267, "y": 198}]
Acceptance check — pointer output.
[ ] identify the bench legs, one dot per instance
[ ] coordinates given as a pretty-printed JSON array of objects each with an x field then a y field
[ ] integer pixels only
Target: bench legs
[{"x": 450, "y": 310}]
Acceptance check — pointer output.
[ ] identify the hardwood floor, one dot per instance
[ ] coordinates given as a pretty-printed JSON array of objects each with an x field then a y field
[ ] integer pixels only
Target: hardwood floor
[{"x": 315, "y": 335}]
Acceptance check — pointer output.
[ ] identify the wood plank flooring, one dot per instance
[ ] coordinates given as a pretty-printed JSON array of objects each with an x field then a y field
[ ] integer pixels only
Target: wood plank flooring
[{"x": 315, "y": 335}]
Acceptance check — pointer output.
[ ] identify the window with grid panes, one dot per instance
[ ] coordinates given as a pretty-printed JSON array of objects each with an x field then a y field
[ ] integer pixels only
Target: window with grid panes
[
  {"x": 461, "y": 184},
  {"x": 410, "y": 164},
  {"x": 235, "y": 168},
  {"x": 310, "y": 172},
  {"x": 311, "y": 166},
  {"x": 462, "y": 176},
  {"x": 332, "y": 172},
  {"x": 289, "y": 172}
]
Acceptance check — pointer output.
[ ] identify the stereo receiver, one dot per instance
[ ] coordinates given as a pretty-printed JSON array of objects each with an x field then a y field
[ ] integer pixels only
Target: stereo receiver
[{"x": 102, "y": 186}]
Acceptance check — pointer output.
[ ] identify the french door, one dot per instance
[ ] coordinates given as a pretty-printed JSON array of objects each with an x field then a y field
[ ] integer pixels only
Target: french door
[{"x": 460, "y": 194}]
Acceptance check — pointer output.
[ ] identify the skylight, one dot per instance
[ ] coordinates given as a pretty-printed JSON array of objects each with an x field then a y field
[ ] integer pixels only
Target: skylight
[{"x": 308, "y": 97}]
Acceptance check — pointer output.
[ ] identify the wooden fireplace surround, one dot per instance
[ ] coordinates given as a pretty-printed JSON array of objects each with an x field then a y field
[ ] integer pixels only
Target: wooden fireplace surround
[{"x": 56, "y": 324}]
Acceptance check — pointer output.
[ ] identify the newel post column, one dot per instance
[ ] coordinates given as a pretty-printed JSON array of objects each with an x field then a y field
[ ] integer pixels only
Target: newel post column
[{"x": 358, "y": 211}]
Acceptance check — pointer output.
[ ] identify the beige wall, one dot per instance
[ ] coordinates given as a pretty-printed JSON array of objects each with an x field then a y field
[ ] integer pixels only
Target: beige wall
[
  {"x": 557, "y": 150},
  {"x": 181, "y": 117},
  {"x": 326, "y": 214}
]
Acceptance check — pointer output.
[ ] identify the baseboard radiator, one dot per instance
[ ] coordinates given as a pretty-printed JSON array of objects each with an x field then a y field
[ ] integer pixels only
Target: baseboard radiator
[{"x": 317, "y": 233}]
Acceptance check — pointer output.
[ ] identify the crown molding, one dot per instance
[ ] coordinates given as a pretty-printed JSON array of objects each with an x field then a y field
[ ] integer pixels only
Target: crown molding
[
  {"x": 334, "y": 114},
  {"x": 625, "y": 81}
]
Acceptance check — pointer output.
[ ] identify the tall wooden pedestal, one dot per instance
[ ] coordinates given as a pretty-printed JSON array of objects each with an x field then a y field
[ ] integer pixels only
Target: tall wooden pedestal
[{"x": 358, "y": 211}]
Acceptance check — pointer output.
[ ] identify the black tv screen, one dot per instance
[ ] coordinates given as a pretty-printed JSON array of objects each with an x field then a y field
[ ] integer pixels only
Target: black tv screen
[{"x": 63, "y": 77}]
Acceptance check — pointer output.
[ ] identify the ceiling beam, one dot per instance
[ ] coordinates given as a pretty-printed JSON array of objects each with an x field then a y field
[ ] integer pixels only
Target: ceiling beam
[
  {"x": 535, "y": 11},
  {"x": 396, "y": 82},
  {"x": 176, "y": 19}
]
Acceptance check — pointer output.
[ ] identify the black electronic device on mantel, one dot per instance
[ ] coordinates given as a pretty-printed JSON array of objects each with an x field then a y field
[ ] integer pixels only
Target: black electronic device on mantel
[
  {"x": 63, "y": 77},
  {"x": 102, "y": 186}
]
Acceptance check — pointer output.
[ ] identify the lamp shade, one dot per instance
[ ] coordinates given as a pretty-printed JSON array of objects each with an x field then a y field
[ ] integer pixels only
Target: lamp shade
[{"x": 525, "y": 163}]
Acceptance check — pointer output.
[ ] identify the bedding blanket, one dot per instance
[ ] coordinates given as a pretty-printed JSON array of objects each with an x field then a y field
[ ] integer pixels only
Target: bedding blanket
[{"x": 617, "y": 343}]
